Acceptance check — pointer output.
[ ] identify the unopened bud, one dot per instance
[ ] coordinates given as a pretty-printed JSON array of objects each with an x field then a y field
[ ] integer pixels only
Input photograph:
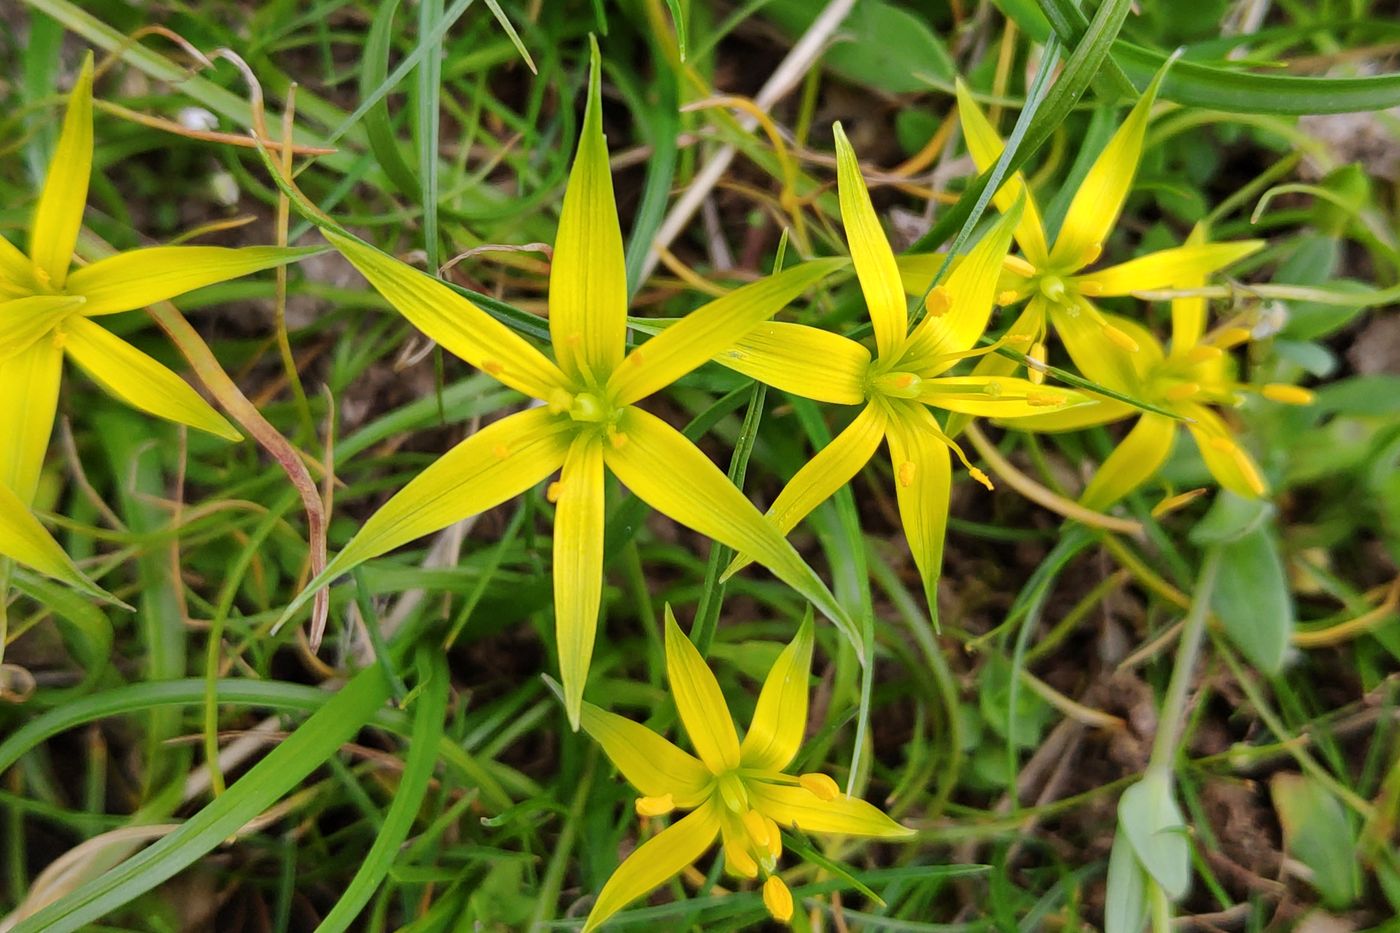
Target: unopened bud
[
  {"x": 655, "y": 806},
  {"x": 778, "y": 899},
  {"x": 1286, "y": 394}
]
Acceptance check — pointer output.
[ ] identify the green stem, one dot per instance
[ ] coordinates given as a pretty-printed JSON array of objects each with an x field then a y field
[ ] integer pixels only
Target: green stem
[{"x": 1171, "y": 721}]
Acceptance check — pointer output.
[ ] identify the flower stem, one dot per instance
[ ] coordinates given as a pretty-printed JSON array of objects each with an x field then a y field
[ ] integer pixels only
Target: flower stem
[{"x": 1171, "y": 722}]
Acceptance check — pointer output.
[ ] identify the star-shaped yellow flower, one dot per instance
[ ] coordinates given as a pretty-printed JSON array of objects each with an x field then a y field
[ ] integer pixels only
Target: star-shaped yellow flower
[
  {"x": 1191, "y": 380},
  {"x": 735, "y": 791},
  {"x": 1056, "y": 278},
  {"x": 49, "y": 309},
  {"x": 907, "y": 376},
  {"x": 588, "y": 419}
]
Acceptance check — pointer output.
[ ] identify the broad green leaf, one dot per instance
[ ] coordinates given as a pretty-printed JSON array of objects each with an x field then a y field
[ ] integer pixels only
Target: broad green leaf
[
  {"x": 880, "y": 44},
  {"x": 1318, "y": 833},
  {"x": 1125, "y": 900},
  {"x": 1152, "y": 822},
  {"x": 1230, "y": 518},
  {"x": 1252, "y": 600}
]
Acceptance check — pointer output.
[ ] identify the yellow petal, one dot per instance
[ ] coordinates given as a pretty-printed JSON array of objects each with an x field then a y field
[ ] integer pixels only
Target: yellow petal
[
  {"x": 969, "y": 291},
  {"x": 738, "y": 860},
  {"x": 59, "y": 216},
  {"x": 588, "y": 278},
  {"x": 1133, "y": 462},
  {"x": 798, "y": 807},
  {"x": 454, "y": 322},
  {"x": 1189, "y": 314},
  {"x": 659, "y": 858},
  {"x": 138, "y": 380},
  {"x": 805, "y": 361},
  {"x": 706, "y": 332},
  {"x": 699, "y": 701},
  {"x": 578, "y": 564},
  {"x": 23, "y": 539},
  {"x": 1095, "y": 410},
  {"x": 29, "y": 389},
  {"x": 829, "y": 469},
  {"x": 670, "y": 474},
  {"x": 1098, "y": 357},
  {"x": 780, "y": 718},
  {"x": 501, "y": 460},
  {"x": 649, "y": 762},
  {"x": 16, "y": 272},
  {"x": 997, "y": 396},
  {"x": 923, "y": 482},
  {"x": 871, "y": 253},
  {"x": 25, "y": 320},
  {"x": 1227, "y": 461},
  {"x": 985, "y": 146},
  {"x": 141, "y": 277},
  {"x": 1028, "y": 327},
  {"x": 1168, "y": 268},
  {"x": 1100, "y": 197}
]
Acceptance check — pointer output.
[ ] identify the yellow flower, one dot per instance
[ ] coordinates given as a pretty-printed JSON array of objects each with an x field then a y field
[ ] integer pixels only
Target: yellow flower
[
  {"x": 1191, "y": 381},
  {"x": 1056, "y": 278},
  {"x": 907, "y": 376},
  {"x": 49, "y": 309},
  {"x": 589, "y": 419},
  {"x": 735, "y": 791},
  {"x": 24, "y": 540}
]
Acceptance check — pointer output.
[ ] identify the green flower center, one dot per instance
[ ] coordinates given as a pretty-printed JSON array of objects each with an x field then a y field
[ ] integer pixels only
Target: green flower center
[{"x": 897, "y": 384}]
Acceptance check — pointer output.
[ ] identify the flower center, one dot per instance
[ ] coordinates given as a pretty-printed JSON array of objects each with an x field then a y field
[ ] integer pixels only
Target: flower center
[
  {"x": 1053, "y": 288},
  {"x": 589, "y": 408},
  {"x": 897, "y": 384}
]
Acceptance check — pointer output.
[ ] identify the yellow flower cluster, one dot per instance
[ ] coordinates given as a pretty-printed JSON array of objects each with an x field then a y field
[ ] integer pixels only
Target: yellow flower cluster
[{"x": 588, "y": 420}]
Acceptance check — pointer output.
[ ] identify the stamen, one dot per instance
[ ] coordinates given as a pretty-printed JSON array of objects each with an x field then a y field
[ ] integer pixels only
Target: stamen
[
  {"x": 1036, "y": 374},
  {"x": 1007, "y": 297},
  {"x": 1046, "y": 399},
  {"x": 1090, "y": 288},
  {"x": 820, "y": 785},
  {"x": 737, "y": 858},
  {"x": 1204, "y": 353},
  {"x": 559, "y": 402},
  {"x": 778, "y": 899},
  {"x": 553, "y": 491},
  {"x": 1119, "y": 338},
  {"x": 1231, "y": 337},
  {"x": 938, "y": 302},
  {"x": 1181, "y": 391},
  {"x": 775, "y": 840},
  {"x": 1090, "y": 255},
  {"x": 906, "y": 472},
  {"x": 1286, "y": 394},
  {"x": 981, "y": 477},
  {"x": 756, "y": 828},
  {"x": 655, "y": 806},
  {"x": 492, "y": 367},
  {"x": 616, "y": 438}
]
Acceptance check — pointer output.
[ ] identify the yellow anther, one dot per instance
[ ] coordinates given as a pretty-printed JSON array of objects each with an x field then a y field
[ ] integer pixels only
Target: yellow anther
[
  {"x": 617, "y": 439},
  {"x": 737, "y": 858},
  {"x": 655, "y": 806},
  {"x": 820, "y": 785},
  {"x": 500, "y": 451},
  {"x": 778, "y": 899},
  {"x": 1204, "y": 353},
  {"x": 1231, "y": 337},
  {"x": 1090, "y": 287},
  {"x": 1091, "y": 255},
  {"x": 1172, "y": 503},
  {"x": 775, "y": 840},
  {"x": 1181, "y": 391},
  {"x": 1120, "y": 339},
  {"x": 991, "y": 389},
  {"x": 1288, "y": 395},
  {"x": 906, "y": 473},
  {"x": 1045, "y": 399},
  {"x": 1007, "y": 297},
  {"x": 42, "y": 275},
  {"x": 553, "y": 491},
  {"x": 938, "y": 302},
  {"x": 981, "y": 477},
  {"x": 559, "y": 401},
  {"x": 492, "y": 367},
  {"x": 756, "y": 828},
  {"x": 1018, "y": 340},
  {"x": 1036, "y": 354}
]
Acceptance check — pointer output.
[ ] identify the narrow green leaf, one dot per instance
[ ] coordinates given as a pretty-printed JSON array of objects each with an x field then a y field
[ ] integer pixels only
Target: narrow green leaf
[{"x": 1317, "y": 832}]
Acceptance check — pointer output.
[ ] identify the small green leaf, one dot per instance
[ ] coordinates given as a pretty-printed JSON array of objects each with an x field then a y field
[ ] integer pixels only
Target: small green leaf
[
  {"x": 1151, "y": 820},
  {"x": 1125, "y": 901},
  {"x": 1252, "y": 600},
  {"x": 1318, "y": 834},
  {"x": 1230, "y": 518},
  {"x": 878, "y": 45}
]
